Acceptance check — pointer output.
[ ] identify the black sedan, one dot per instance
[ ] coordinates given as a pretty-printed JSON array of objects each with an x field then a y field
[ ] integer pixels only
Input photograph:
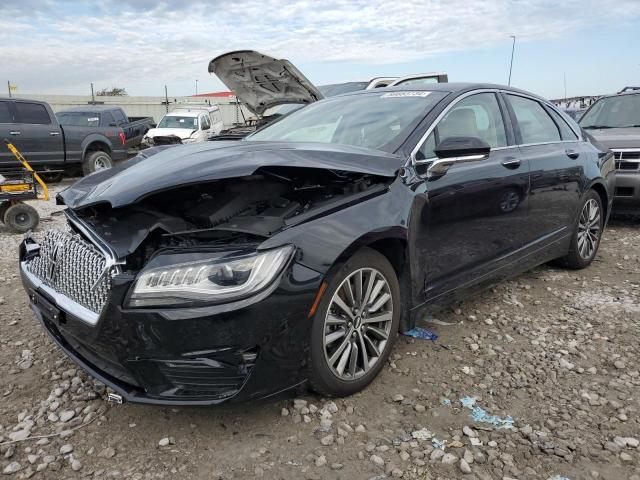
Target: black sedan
[{"x": 223, "y": 271}]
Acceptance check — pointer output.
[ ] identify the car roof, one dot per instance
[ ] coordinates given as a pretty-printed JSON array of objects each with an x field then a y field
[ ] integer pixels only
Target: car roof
[
  {"x": 452, "y": 87},
  {"x": 621, "y": 94}
]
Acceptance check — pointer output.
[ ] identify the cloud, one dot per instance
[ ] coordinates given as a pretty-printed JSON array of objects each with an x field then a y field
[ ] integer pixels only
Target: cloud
[{"x": 142, "y": 44}]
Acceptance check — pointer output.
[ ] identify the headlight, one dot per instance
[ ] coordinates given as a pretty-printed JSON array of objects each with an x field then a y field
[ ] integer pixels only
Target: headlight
[{"x": 210, "y": 281}]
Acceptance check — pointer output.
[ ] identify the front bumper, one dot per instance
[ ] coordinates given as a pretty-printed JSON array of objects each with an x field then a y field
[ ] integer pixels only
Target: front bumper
[
  {"x": 627, "y": 193},
  {"x": 200, "y": 356}
]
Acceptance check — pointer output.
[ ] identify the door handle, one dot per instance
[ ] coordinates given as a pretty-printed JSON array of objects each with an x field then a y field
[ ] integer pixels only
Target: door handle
[
  {"x": 572, "y": 154},
  {"x": 54, "y": 134},
  {"x": 15, "y": 132},
  {"x": 511, "y": 162}
]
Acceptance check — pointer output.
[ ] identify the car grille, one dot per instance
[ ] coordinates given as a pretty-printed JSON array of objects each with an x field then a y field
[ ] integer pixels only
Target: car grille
[
  {"x": 74, "y": 268},
  {"x": 627, "y": 160}
]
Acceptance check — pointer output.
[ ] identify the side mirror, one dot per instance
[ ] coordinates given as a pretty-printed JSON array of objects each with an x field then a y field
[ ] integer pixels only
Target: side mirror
[
  {"x": 457, "y": 150},
  {"x": 113, "y": 124},
  {"x": 205, "y": 127}
]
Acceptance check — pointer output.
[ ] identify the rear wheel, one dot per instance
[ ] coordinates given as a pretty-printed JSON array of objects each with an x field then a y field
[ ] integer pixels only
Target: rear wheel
[
  {"x": 96, "y": 161},
  {"x": 355, "y": 325},
  {"x": 21, "y": 217},
  {"x": 587, "y": 233}
]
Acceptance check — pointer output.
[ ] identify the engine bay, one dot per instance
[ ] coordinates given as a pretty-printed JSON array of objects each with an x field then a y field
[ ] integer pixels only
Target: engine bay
[{"x": 236, "y": 211}]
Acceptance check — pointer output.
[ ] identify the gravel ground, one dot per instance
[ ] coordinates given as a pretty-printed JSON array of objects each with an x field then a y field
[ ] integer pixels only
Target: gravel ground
[{"x": 556, "y": 350}]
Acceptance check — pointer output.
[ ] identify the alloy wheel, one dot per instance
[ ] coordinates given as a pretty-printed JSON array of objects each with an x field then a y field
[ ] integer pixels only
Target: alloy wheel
[
  {"x": 358, "y": 324},
  {"x": 589, "y": 229}
]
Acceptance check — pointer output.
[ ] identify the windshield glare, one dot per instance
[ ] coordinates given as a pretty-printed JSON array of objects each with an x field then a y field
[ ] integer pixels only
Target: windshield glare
[
  {"x": 179, "y": 122},
  {"x": 613, "y": 112},
  {"x": 79, "y": 119},
  {"x": 335, "y": 89},
  {"x": 376, "y": 120}
]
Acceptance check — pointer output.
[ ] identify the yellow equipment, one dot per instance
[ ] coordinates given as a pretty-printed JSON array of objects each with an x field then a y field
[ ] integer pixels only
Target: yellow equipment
[{"x": 17, "y": 186}]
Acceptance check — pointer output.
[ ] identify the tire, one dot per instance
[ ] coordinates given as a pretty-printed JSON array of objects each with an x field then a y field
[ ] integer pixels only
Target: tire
[
  {"x": 21, "y": 217},
  {"x": 4, "y": 206},
  {"x": 584, "y": 246},
  {"x": 356, "y": 330},
  {"x": 96, "y": 161}
]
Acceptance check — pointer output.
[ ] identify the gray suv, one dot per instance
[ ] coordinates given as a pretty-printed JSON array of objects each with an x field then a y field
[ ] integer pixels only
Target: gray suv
[{"x": 614, "y": 121}]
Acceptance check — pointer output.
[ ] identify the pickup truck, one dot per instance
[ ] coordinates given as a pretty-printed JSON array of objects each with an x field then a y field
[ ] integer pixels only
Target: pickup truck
[
  {"x": 76, "y": 141},
  {"x": 614, "y": 120}
]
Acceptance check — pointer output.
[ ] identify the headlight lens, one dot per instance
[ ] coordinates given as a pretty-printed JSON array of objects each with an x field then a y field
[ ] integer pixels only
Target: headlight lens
[{"x": 208, "y": 281}]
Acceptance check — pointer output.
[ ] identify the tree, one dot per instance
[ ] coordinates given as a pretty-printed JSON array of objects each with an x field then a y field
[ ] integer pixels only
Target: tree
[{"x": 112, "y": 92}]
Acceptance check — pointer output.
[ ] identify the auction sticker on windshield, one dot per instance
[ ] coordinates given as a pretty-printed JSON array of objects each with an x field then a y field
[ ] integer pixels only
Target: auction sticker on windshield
[{"x": 405, "y": 94}]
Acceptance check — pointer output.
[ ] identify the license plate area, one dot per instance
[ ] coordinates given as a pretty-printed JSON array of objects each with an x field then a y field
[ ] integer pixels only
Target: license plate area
[{"x": 48, "y": 309}]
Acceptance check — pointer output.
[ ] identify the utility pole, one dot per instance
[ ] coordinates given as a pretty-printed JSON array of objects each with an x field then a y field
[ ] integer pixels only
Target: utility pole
[
  {"x": 196, "y": 86},
  {"x": 9, "y": 87},
  {"x": 93, "y": 98},
  {"x": 166, "y": 99},
  {"x": 513, "y": 47},
  {"x": 565, "y": 85}
]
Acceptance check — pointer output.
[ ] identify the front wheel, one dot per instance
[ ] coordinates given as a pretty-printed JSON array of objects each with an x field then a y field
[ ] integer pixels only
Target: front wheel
[
  {"x": 587, "y": 233},
  {"x": 355, "y": 325}
]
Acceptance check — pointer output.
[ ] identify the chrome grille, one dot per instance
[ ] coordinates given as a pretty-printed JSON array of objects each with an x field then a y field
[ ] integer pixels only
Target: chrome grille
[
  {"x": 627, "y": 160},
  {"x": 74, "y": 268}
]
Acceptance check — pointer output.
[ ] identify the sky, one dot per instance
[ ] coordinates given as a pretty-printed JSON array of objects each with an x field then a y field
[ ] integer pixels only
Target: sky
[{"x": 59, "y": 47}]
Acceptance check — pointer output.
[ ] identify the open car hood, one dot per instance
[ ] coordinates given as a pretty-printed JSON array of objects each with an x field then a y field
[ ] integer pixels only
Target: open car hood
[
  {"x": 161, "y": 169},
  {"x": 260, "y": 81}
]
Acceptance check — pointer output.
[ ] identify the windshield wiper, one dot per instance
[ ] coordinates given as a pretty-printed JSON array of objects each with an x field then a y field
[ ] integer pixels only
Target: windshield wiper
[
  {"x": 598, "y": 127},
  {"x": 637, "y": 125}
]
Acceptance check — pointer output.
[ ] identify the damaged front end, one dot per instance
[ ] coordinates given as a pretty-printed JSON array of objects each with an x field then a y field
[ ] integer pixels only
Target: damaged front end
[{"x": 174, "y": 298}]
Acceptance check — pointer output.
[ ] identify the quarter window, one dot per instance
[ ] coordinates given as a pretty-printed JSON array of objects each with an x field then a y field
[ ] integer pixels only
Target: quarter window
[
  {"x": 5, "y": 113},
  {"x": 536, "y": 126},
  {"x": 34, "y": 113},
  {"x": 565, "y": 130},
  {"x": 475, "y": 116},
  {"x": 120, "y": 118}
]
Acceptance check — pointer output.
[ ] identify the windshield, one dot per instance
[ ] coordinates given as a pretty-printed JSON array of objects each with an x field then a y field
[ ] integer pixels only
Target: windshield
[
  {"x": 376, "y": 120},
  {"x": 613, "y": 112},
  {"x": 173, "y": 121},
  {"x": 79, "y": 119}
]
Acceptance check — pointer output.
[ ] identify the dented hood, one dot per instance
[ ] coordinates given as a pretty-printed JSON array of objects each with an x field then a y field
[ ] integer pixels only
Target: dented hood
[
  {"x": 164, "y": 168},
  {"x": 260, "y": 81}
]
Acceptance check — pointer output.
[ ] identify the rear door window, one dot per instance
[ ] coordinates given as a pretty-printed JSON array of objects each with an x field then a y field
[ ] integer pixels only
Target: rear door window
[
  {"x": 120, "y": 118},
  {"x": 535, "y": 124},
  {"x": 5, "y": 113},
  {"x": 205, "y": 122},
  {"x": 33, "y": 113}
]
